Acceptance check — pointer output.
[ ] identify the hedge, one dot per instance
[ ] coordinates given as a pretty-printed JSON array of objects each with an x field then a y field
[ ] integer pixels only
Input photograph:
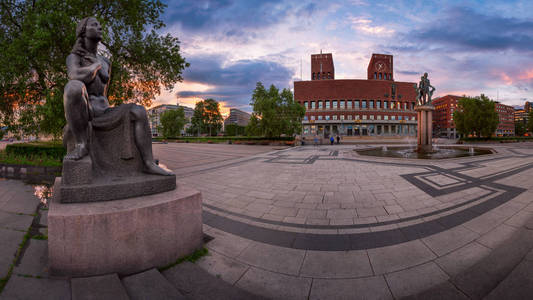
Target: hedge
[
  {"x": 219, "y": 139},
  {"x": 53, "y": 150},
  {"x": 497, "y": 139}
]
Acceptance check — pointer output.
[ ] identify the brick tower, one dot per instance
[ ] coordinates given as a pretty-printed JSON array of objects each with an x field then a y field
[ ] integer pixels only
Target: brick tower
[
  {"x": 322, "y": 67},
  {"x": 381, "y": 67}
]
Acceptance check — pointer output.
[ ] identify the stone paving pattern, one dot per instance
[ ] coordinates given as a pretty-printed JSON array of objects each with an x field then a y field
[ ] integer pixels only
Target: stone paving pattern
[{"x": 322, "y": 222}]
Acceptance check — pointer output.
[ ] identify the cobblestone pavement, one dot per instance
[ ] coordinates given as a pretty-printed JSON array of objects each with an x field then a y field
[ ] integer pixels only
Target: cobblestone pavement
[
  {"x": 313, "y": 222},
  {"x": 323, "y": 222}
]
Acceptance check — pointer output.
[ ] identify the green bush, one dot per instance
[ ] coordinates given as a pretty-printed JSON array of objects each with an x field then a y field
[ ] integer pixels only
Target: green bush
[
  {"x": 497, "y": 139},
  {"x": 54, "y": 150}
]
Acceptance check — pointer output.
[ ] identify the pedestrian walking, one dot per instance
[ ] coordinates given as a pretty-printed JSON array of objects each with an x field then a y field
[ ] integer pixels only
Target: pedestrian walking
[
  {"x": 338, "y": 139},
  {"x": 332, "y": 140},
  {"x": 316, "y": 140}
]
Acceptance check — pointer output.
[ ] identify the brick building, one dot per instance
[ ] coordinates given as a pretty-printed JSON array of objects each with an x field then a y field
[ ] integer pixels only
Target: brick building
[
  {"x": 374, "y": 106},
  {"x": 443, "y": 124},
  {"x": 506, "y": 116}
]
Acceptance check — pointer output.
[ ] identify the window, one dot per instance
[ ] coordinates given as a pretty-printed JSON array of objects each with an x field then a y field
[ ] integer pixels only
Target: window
[
  {"x": 399, "y": 117},
  {"x": 393, "y": 117},
  {"x": 405, "y": 105},
  {"x": 364, "y": 117},
  {"x": 313, "y": 76},
  {"x": 312, "y": 117},
  {"x": 305, "y": 104},
  {"x": 385, "y": 104},
  {"x": 319, "y": 104},
  {"x": 312, "y": 104},
  {"x": 319, "y": 117},
  {"x": 391, "y": 105},
  {"x": 350, "y": 117},
  {"x": 375, "y": 75},
  {"x": 371, "y": 117},
  {"x": 379, "y": 117},
  {"x": 380, "y": 76},
  {"x": 318, "y": 76},
  {"x": 329, "y": 75},
  {"x": 341, "y": 104},
  {"x": 334, "y": 104},
  {"x": 327, "y": 104},
  {"x": 371, "y": 104},
  {"x": 378, "y": 104},
  {"x": 398, "y": 105},
  {"x": 334, "y": 117},
  {"x": 356, "y": 104},
  {"x": 305, "y": 118},
  {"x": 385, "y": 117},
  {"x": 327, "y": 117},
  {"x": 349, "y": 104},
  {"x": 342, "y": 117},
  {"x": 363, "y": 103},
  {"x": 413, "y": 118},
  {"x": 357, "y": 117}
]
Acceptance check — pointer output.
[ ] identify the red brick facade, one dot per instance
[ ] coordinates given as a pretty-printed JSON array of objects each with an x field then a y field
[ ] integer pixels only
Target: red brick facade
[
  {"x": 356, "y": 106},
  {"x": 443, "y": 124},
  {"x": 443, "y": 117},
  {"x": 506, "y": 115}
]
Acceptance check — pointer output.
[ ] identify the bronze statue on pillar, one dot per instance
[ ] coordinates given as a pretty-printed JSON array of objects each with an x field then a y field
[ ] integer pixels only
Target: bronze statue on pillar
[{"x": 425, "y": 109}]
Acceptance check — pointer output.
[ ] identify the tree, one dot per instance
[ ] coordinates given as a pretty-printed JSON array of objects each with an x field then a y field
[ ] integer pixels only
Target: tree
[
  {"x": 172, "y": 122},
  {"x": 36, "y": 37},
  {"x": 530, "y": 121},
  {"x": 476, "y": 116},
  {"x": 253, "y": 129},
  {"x": 207, "y": 117},
  {"x": 234, "y": 130},
  {"x": 276, "y": 113},
  {"x": 519, "y": 129}
]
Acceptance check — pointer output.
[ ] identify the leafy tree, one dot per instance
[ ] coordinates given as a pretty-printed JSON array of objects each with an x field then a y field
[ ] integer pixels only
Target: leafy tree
[
  {"x": 36, "y": 37},
  {"x": 276, "y": 113},
  {"x": 253, "y": 129},
  {"x": 519, "y": 129},
  {"x": 172, "y": 122},
  {"x": 530, "y": 121},
  {"x": 234, "y": 130},
  {"x": 476, "y": 116},
  {"x": 206, "y": 117}
]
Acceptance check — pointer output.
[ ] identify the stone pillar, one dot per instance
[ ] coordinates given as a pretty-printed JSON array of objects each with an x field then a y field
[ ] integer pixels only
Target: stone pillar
[{"x": 425, "y": 127}]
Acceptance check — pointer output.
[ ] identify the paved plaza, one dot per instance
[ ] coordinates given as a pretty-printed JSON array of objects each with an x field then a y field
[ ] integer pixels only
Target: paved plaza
[{"x": 322, "y": 222}]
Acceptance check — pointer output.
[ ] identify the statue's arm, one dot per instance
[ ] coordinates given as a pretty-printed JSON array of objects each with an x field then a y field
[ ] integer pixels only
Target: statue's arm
[{"x": 77, "y": 72}]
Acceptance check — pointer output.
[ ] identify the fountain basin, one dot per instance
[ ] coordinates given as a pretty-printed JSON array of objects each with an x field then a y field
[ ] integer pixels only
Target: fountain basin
[{"x": 440, "y": 152}]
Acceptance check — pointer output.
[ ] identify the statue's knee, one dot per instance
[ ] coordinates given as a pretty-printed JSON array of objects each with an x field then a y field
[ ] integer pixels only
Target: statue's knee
[{"x": 74, "y": 90}]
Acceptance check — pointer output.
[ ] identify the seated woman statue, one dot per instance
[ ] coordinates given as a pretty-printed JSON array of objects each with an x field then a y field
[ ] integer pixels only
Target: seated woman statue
[{"x": 85, "y": 99}]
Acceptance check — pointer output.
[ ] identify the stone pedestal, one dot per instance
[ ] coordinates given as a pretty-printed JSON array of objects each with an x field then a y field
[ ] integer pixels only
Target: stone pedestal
[
  {"x": 425, "y": 127},
  {"x": 123, "y": 236}
]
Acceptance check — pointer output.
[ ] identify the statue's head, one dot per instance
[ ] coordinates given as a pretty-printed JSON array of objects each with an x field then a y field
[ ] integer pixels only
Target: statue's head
[
  {"x": 426, "y": 75},
  {"x": 89, "y": 28}
]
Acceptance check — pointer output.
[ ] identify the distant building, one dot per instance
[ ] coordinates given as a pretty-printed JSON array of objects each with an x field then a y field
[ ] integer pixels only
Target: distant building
[
  {"x": 506, "y": 116},
  {"x": 443, "y": 123},
  {"x": 238, "y": 117},
  {"x": 376, "y": 106},
  {"x": 154, "y": 115},
  {"x": 521, "y": 115},
  {"x": 527, "y": 106}
]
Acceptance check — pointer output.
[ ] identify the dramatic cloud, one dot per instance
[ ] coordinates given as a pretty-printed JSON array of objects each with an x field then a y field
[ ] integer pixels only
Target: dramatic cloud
[{"x": 233, "y": 82}]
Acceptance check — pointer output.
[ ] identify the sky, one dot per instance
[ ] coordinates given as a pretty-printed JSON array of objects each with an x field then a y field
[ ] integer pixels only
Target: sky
[{"x": 467, "y": 47}]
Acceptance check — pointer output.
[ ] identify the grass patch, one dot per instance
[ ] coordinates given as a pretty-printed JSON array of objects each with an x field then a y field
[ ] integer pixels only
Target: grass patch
[
  {"x": 41, "y": 237},
  {"x": 40, "y": 160},
  {"x": 196, "y": 255}
]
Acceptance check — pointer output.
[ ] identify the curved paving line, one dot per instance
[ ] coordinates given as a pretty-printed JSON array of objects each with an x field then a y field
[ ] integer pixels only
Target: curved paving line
[
  {"x": 355, "y": 241},
  {"x": 369, "y": 240}
]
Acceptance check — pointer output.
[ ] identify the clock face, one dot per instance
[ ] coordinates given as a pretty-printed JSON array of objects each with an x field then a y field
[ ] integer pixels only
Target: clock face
[{"x": 379, "y": 66}]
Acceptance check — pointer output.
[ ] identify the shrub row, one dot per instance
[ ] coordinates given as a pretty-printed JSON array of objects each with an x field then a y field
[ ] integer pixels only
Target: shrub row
[
  {"x": 219, "y": 139},
  {"x": 497, "y": 139},
  {"x": 54, "y": 150}
]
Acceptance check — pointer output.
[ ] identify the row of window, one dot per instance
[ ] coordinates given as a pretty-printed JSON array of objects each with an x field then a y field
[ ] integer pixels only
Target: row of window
[
  {"x": 357, "y": 117},
  {"x": 386, "y": 76},
  {"x": 324, "y": 76},
  {"x": 342, "y": 104}
]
